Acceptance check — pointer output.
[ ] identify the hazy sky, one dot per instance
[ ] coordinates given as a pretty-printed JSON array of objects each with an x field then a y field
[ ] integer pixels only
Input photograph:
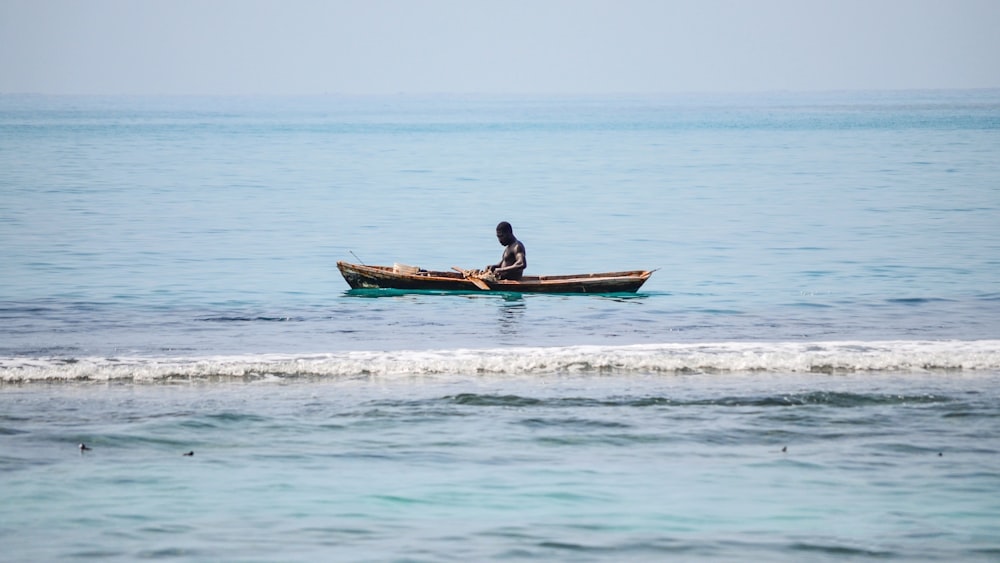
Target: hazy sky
[{"x": 494, "y": 46}]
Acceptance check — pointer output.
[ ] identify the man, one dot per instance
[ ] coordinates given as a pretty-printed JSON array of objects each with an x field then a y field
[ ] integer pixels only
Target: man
[{"x": 513, "y": 261}]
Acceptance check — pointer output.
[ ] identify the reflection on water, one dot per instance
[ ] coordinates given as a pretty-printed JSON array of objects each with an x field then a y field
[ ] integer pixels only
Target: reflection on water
[
  {"x": 511, "y": 314},
  {"x": 372, "y": 293},
  {"x": 505, "y": 295},
  {"x": 626, "y": 297}
]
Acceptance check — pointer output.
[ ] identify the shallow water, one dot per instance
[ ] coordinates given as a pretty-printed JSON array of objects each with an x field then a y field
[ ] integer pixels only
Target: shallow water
[{"x": 450, "y": 468}]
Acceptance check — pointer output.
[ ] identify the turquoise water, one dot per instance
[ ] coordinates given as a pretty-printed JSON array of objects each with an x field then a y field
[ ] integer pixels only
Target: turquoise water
[
  {"x": 811, "y": 372},
  {"x": 766, "y": 466}
]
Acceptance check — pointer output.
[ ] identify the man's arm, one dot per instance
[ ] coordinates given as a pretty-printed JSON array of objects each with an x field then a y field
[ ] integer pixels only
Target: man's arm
[{"x": 520, "y": 262}]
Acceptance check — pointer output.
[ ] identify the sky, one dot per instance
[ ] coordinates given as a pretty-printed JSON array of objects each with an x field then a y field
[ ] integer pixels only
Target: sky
[{"x": 306, "y": 47}]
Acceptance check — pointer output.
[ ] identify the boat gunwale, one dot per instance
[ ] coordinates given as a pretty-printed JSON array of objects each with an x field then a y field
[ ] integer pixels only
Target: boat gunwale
[{"x": 625, "y": 281}]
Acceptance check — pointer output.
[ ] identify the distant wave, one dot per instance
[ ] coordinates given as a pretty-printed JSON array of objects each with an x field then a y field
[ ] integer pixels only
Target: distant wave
[{"x": 726, "y": 357}]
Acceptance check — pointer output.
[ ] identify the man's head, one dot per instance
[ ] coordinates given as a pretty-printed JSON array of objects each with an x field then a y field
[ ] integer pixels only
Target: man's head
[{"x": 505, "y": 233}]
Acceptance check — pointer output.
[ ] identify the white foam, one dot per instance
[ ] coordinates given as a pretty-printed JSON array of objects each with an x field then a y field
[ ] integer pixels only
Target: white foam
[{"x": 777, "y": 357}]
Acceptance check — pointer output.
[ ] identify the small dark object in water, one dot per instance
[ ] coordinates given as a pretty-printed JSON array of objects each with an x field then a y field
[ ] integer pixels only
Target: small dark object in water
[
  {"x": 940, "y": 454},
  {"x": 784, "y": 449},
  {"x": 84, "y": 448},
  {"x": 191, "y": 453}
]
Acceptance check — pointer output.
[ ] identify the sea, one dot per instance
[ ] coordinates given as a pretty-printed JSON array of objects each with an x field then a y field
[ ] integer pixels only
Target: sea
[{"x": 812, "y": 373}]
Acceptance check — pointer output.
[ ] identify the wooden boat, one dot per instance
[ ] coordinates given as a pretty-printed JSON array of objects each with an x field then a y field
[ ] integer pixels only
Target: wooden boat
[{"x": 360, "y": 276}]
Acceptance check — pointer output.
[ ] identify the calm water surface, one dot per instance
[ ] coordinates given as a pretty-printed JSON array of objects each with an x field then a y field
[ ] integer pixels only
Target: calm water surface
[{"x": 811, "y": 373}]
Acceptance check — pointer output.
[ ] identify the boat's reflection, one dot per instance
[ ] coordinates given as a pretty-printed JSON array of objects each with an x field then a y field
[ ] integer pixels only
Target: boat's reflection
[
  {"x": 511, "y": 315},
  {"x": 511, "y": 307},
  {"x": 504, "y": 295}
]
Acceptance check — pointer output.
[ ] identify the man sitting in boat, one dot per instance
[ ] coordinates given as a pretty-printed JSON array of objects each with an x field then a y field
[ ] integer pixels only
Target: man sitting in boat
[{"x": 513, "y": 261}]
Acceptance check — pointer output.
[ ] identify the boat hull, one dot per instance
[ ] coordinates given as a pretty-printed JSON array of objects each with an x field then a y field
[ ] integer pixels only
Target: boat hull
[{"x": 386, "y": 277}]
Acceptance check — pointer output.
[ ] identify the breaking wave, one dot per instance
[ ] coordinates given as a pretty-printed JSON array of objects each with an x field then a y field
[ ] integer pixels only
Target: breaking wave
[{"x": 729, "y": 357}]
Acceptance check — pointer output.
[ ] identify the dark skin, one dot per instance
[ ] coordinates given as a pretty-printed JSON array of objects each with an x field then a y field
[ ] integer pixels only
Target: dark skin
[{"x": 513, "y": 261}]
